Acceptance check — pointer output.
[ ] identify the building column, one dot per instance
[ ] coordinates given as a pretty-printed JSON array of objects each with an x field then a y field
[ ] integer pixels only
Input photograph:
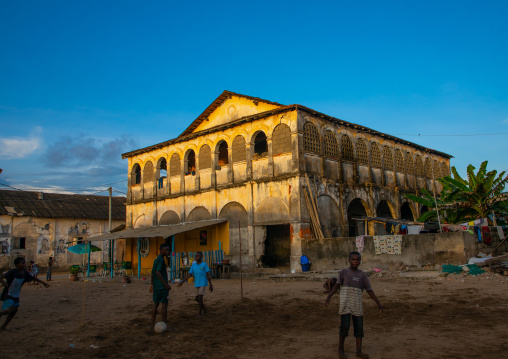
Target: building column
[{"x": 271, "y": 170}]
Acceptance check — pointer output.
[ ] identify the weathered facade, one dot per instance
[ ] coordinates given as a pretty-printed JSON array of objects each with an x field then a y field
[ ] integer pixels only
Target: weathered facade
[
  {"x": 38, "y": 225},
  {"x": 245, "y": 159}
]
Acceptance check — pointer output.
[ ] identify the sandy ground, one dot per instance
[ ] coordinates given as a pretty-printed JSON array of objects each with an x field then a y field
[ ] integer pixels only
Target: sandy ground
[{"x": 454, "y": 317}]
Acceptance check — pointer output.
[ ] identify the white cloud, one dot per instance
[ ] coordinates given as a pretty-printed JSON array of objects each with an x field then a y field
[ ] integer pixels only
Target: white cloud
[{"x": 19, "y": 147}]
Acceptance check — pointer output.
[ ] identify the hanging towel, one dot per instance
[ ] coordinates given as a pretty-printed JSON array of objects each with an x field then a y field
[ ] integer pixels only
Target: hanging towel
[
  {"x": 478, "y": 232},
  {"x": 380, "y": 244},
  {"x": 360, "y": 243},
  {"x": 500, "y": 232},
  {"x": 389, "y": 227},
  {"x": 487, "y": 238},
  {"x": 403, "y": 229},
  {"x": 388, "y": 244}
]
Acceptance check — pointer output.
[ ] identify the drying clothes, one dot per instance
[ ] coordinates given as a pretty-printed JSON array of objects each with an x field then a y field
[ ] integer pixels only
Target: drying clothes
[
  {"x": 500, "y": 232},
  {"x": 389, "y": 227},
  {"x": 414, "y": 229},
  {"x": 487, "y": 238},
  {"x": 478, "y": 232},
  {"x": 403, "y": 229},
  {"x": 388, "y": 244},
  {"x": 360, "y": 243}
]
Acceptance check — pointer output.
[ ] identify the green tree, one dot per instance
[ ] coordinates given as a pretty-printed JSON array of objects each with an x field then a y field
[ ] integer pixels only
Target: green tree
[{"x": 463, "y": 200}]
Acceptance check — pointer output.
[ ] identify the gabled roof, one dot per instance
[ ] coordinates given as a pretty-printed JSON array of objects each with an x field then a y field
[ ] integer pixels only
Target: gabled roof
[
  {"x": 215, "y": 104},
  {"x": 188, "y": 134},
  {"x": 57, "y": 205}
]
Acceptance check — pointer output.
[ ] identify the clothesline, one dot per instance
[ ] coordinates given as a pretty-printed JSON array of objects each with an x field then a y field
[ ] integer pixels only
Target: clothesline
[{"x": 386, "y": 220}]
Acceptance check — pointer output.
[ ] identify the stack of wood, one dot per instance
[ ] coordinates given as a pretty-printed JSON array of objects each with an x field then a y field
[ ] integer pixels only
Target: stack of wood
[
  {"x": 311, "y": 202},
  {"x": 498, "y": 264}
]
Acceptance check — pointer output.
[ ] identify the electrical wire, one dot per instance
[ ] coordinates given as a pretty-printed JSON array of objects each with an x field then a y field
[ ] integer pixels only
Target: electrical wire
[{"x": 469, "y": 135}]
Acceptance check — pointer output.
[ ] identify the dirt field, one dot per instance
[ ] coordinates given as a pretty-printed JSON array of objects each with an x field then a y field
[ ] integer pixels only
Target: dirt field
[{"x": 454, "y": 317}]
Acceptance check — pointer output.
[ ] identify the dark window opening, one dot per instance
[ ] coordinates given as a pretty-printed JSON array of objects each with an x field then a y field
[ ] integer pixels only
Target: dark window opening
[
  {"x": 136, "y": 174},
  {"x": 19, "y": 243},
  {"x": 163, "y": 168},
  {"x": 223, "y": 154},
  {"x": 277, "y": 246},
  {"x": 191, "y": 163},
  {"x": 260, "y": 145}
]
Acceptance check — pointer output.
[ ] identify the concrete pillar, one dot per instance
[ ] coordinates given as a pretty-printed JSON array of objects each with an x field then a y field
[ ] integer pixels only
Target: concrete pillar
[
  {"x": 270, "y": 157},
  {"x": 299, "y": 232}
]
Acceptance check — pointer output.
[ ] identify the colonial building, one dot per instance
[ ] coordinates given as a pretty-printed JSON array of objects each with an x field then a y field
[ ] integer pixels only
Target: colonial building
[
  {"x": 38, "y": 225},
  {"x": 244, "y": 160}
]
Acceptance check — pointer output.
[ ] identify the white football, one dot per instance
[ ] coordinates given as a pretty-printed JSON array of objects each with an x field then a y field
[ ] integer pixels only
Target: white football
[{"x": 160, "y": 327}]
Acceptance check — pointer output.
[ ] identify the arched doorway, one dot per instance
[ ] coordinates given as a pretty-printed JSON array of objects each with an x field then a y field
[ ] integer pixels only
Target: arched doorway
[
  {"x": 356, "y": 210},
  {"x": 406, "y": 212},
  {"x": 383, "y": 210}
]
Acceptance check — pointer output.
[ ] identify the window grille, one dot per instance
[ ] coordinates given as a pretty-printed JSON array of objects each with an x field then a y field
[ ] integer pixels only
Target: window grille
[
  {"x": 419, "y": 166},
  {"x": 148, "y": 172},
  {"x": 409, "y": 163},
  {"x": 205, "y": 157},
  {"x": 311, "y": 139},
  {"x": 239, "y": 150},
  {"x": 174, "y": 165},
  {"x": 331, "y": 146},
  {"x": 361, "y": 152},
  {"x": 281, "y": 139},
  {"x": 428, "y": 168},
  {"x": 388, "y": 158},
  {"x": 437, "y": 170},
  {"x": 347, "y": 149},
  {"x": 399, "y": 161},
  {"x": 375, "y": 155},
  {"x": 445, "y": 170},
  {"x": 144, "y": 246}
]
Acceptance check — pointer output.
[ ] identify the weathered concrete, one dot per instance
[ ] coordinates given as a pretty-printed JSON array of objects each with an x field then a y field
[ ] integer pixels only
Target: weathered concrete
[{"x": 417, "y": 251}]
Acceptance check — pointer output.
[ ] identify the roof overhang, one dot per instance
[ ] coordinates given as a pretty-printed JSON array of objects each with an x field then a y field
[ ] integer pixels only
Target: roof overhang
[{"x": 156, "y": 231}]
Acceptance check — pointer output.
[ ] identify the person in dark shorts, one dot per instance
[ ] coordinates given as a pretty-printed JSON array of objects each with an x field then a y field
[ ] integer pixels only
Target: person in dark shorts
[
  {"x": 12, "y": 281},
  {"x": 353, "y": 281},
  {"x": 202, "y": 278},
  {"x": 160, "y": 284}
]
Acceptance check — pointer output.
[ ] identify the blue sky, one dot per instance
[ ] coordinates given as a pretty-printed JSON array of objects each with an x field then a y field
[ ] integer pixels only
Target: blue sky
[{"x": 83, "y": 82}]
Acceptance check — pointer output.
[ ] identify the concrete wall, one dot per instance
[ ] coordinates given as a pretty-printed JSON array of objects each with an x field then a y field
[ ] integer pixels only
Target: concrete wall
[
  {"x": 417, "y": 250},
  {"x": 47, "y": 237}
]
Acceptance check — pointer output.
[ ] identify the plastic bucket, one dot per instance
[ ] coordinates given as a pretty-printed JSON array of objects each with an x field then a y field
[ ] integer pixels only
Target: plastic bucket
[{"x": 305, "y": 267}]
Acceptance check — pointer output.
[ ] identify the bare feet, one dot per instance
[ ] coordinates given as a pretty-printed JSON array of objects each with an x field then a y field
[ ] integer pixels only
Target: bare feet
[
  {"x": 342, "y": 355},
  {"x": 362, "y": 355}
]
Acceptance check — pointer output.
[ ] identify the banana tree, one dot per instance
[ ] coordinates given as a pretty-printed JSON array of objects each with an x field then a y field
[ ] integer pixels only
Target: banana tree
[{"x": 463, "y": 200}]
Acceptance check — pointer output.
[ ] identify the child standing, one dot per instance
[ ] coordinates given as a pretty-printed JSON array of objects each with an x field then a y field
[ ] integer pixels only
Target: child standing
[
  {"x": 50, "y": 268},
  {"x": 12, "y": 281},
  {"x": 201, "y": 273},
  {"x": 160, "y": 284},
  {"x": 353, "y": 282}
]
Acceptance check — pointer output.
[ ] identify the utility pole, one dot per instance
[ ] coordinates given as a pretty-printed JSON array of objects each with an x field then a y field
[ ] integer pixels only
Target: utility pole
[{"x": 112, "y": 244}]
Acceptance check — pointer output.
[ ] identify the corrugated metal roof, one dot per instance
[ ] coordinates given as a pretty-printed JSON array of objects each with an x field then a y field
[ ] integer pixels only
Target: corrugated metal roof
[
  {"x": 157, "y": 231},
  {"x": 58, "y": 205}
]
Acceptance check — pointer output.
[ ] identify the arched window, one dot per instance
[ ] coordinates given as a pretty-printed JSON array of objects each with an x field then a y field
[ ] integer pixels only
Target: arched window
[
  {"x": 347, "y": 148},
  {"x": 148, "y": 175},
  {"x": 428, "y": 168},
  {"x": 419, "y": 166},
  {"x": 399, "y": 161},
  {"x": 375, "y": 155},
  {"x": 190, "y": 163},
  {"x": 136, "y": 174},
  {"x": 445, "y": 170},
  {"x": 437, "y": 170},
  {"x": 331, "y": 146},
  {"x": 239, "y": 150},
  {"x": 388, "y": 158},
  {"x": 361, "y": 152},
  {"x": 409, "y": 164},
  {"x": 174, "y": 165},
  {"x": 260, "y": 145},
  {"x": 162, "y": 168},
  {"x": 281, "y": 139},
  {"x": 144, "y": 246},
  {"x": 205, "y": 157},
  {"x": 223, "y": 154},
  {"x": 311, "y": 139}
]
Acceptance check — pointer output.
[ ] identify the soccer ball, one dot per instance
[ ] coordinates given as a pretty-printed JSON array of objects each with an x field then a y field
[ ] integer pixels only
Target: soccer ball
[{"x": 160, "y": 327}]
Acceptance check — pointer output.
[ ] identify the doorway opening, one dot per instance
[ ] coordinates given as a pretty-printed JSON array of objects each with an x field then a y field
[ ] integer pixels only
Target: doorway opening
[{"x": 277, "y": 246}]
